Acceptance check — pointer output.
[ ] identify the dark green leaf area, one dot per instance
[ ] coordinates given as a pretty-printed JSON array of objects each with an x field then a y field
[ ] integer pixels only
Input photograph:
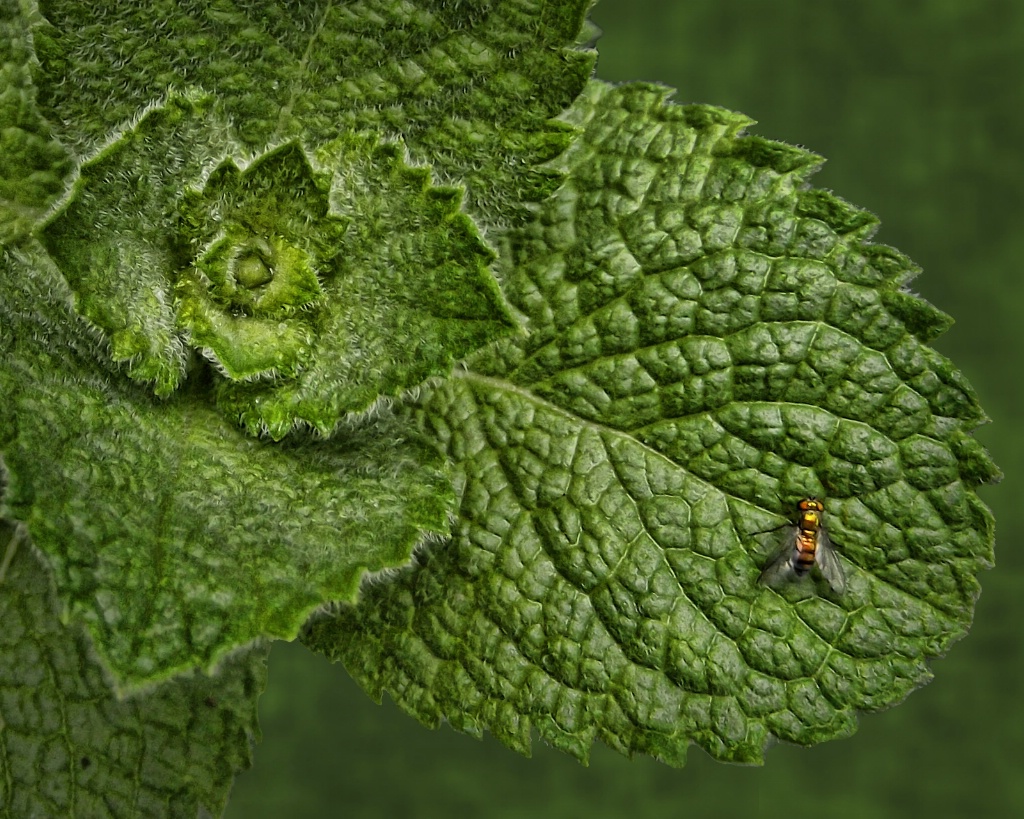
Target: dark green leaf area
[
  {"x": 710, "y": 341},
  {"x": 175, "y": 536},
  {"x": 407, "y": 290},
  {"x": 32, "y": 163},
  {"x": 471, "y": 87},
  {"x": 71, "y": 748}
]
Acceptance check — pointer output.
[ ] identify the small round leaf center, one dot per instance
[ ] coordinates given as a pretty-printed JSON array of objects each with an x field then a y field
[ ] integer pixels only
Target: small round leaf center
[{"x": 252, "y": 270}]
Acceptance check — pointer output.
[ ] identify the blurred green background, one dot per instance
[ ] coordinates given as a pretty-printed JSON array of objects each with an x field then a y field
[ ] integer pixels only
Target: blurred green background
[{"x": 918, "y": 106}]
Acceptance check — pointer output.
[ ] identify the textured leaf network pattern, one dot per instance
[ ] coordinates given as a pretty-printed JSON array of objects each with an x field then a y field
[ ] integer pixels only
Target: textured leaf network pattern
[
  {"x": 69, "y": 747},
  {"x": 710, "y": 340}
]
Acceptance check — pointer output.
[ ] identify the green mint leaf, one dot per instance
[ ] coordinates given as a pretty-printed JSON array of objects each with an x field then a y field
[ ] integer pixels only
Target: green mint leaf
[
  {"x": 710, "y": 341},
  {"x": 70, "y": 748},
  {"x": 32, "y": 164},
  {"x": 173, "y": 535},
  {"x": 471, "y": 88}
]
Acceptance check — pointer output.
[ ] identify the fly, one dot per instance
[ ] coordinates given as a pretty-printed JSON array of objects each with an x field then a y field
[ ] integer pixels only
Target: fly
[{"x": 807, "y": 544}]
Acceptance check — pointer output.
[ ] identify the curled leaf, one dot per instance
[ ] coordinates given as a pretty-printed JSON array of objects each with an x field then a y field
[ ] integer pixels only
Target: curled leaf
[{"x": 288, "y": 273}]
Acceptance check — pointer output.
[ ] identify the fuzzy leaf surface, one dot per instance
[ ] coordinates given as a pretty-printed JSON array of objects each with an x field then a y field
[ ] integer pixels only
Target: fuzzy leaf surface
[
  {"x": 315, "y": 284},
  {"x": 174, "y": 535},
  {"x": 70, "y": 748},
  {"x": 32, "y": 163},
  {"x": 710, "y": 341},
  {"x": 470, "y": 87}
]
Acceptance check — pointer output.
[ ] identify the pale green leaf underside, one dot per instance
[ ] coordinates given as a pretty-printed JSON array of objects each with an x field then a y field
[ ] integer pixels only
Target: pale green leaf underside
[
  {"x": 470, "y": 87},
  {"x": 69, "y": 748},
  {"x": 710, "y": 341},
  {"x": 176, "y": 537}
]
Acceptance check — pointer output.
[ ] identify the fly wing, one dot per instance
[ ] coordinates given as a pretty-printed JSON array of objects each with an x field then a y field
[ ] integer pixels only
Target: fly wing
[
  {"x": 781, "y": 564},
  {"x": 831, "y": 569}
]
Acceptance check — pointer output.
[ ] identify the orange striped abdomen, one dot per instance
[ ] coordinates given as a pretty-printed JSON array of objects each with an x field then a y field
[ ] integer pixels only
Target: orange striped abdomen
[{"x": 806, "y": 549}]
